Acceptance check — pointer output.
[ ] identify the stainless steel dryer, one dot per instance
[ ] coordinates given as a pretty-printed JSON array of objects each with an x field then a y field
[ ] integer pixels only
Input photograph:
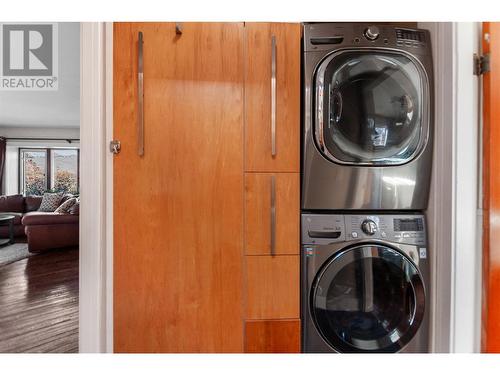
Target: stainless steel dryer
[
  {"x": 368, "y": 123},
  {"x": 365, "y": 283}
]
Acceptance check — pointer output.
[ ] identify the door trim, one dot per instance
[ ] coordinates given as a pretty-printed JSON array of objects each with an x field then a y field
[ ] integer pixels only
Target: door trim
[
  {"x": 95, "y": 301},
  {"x": 454, "y": 213}
]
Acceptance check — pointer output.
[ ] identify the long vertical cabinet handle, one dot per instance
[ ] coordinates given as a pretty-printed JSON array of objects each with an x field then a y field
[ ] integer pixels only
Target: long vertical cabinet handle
[
  {"x": 273, "y": 95},
  {"x": 273, "y": 215},
  {"x": 140, "y": 96}
]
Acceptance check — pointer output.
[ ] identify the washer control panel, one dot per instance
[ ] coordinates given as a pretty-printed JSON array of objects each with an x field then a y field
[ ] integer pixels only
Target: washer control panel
[{"x": 323, "y": 229}]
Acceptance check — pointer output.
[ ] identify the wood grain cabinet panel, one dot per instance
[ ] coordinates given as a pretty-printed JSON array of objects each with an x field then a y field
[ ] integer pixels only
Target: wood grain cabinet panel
[
  {"x": 178, "y": 210},
  {"x": 258, "y": 133},
  {"x": 491, "y": 191},
  {"x": 272, "y": 287},
  {"x": 258, "y": 216},
  {"x": 272, "y": 336}
]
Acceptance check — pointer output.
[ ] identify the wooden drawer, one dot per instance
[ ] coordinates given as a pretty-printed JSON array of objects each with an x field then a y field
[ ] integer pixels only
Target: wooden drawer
[
  {"x": 258, "y": 214},
  {"x": 272, "y": 336},
  {"x": 272, "y": 290},
  {"x": 258, "y": 97}
]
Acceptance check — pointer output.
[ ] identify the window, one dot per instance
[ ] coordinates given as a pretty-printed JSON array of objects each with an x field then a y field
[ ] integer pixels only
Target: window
[
  {"x": 34, "y": 171},
  {"x": 49, "y": 169},
  {"x": 64, "y": 170}
]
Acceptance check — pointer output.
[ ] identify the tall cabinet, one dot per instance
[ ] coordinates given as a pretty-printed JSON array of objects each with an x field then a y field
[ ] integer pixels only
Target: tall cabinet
[
  {"x": 206, "y": 187},
  {"x": 272, "y": 180},
  {"x": 178, "y": 187}
]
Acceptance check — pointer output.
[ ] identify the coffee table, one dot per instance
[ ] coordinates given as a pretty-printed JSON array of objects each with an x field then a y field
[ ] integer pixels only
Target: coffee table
[{"x": 7, "y": 220}]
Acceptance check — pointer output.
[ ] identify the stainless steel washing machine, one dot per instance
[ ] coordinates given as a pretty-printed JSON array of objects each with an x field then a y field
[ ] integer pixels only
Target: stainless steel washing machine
[
  {"x": 368, "y": 117},
  {"x": 365, "y": 283}
]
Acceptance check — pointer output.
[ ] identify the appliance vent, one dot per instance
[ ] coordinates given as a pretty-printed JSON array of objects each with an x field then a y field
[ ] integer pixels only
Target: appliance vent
[{"x": 408, "y": 34}]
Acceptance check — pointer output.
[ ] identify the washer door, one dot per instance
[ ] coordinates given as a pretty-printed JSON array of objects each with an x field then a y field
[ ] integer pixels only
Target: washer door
[
  {"x": 368, "y": 298},
  {"x": 369, "y": 107}
]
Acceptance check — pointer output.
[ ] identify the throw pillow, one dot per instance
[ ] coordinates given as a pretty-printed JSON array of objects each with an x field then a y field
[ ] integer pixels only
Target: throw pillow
[
  {"x": 75, "y": 209},
  {"x": 32, "y": 203},
  {"x": 50, "y": 201},
  {"x": 66, "y": 197},
  {"x": 65, "y": 206}
]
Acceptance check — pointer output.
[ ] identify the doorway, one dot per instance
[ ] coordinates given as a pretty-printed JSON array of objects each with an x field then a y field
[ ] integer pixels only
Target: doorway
[{"x": 40, "y": 187}]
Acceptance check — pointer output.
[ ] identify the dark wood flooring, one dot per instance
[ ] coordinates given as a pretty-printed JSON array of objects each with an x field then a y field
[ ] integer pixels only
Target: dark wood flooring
[{"x": 39, "y": 304}]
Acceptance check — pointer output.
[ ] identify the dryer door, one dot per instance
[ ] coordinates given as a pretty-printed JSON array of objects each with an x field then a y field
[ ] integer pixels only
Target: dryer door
[
  {"x": 368, "y": 298},
  {"x": 371, "y": 107}
]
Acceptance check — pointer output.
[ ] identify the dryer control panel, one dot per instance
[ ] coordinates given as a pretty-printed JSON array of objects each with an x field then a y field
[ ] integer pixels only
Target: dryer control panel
[
  {"x": 326, "y": 36},
  {"x": 323, "y": 229}
]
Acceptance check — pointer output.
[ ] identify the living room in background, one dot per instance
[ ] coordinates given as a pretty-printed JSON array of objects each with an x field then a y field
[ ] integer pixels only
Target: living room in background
[{"x": 40, "y": 186}]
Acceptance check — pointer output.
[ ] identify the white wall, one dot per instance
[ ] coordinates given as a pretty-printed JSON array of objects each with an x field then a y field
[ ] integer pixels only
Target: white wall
[
  {"x": 467, "y": 257},
  {"x": 440, "y": 209}
]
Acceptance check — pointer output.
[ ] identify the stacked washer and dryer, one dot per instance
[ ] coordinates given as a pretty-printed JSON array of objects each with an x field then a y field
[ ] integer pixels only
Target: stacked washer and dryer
[{"x": 367, "y": 155}]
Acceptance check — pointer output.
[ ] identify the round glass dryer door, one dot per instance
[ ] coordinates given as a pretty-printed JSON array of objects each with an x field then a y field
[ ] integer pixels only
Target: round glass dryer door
[
  {"x": 368, "y": 298},
  {"x": 370, "y": 108}
]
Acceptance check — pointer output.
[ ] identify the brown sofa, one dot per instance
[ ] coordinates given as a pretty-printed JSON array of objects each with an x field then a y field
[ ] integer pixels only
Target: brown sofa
[{"x": 43, "y": 230}]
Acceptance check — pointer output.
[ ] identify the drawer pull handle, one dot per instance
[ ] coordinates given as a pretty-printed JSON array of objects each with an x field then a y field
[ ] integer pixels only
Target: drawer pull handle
[
  {"x": 140, "y": 96},
  {"x": 273, "y": 96},
  {"x": 273, "y": 215}
]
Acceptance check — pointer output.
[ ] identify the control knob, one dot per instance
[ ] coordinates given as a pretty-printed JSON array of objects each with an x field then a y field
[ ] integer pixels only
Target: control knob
[
  {"x": 369, "y": 227},
  {"x": 372, "y": 33}
]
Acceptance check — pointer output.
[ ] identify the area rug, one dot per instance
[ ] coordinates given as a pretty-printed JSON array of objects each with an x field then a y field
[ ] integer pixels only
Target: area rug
[{"x": 14, "y": 252}]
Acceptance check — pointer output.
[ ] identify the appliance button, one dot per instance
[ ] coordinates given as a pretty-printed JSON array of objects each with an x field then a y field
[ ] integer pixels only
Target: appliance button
[
  {"x": 369, "y": 227},
  {"x": 383, "y": 234},
  {"x": 354, "y": 235},
  {"x": 372, "y": 33}
]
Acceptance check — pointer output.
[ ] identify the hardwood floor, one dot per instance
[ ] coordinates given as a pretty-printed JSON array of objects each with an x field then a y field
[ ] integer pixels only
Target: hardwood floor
[{"x": 39, "y": 304}]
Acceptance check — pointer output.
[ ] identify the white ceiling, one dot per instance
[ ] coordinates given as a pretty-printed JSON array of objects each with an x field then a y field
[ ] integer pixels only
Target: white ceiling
[{"x": 54, "y": 109}]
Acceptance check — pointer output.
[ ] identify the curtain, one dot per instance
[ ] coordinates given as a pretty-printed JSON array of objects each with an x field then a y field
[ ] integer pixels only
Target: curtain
[{"x": 3, "y": 147}]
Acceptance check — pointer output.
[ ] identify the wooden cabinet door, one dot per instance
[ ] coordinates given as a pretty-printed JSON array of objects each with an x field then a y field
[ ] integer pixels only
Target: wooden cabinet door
[
  {"x": 260, "y": 218},
  {"x": 272, "y": 287},
  {"x": 178, "y": 222},
  {"x": 491, "y": 191},
  {"x": 272, "y": 336},
  {"x": 259, "y": 155}
]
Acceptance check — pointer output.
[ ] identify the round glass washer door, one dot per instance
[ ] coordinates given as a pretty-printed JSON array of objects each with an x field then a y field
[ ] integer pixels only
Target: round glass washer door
[
  {"x": 368, "y": 298},
  {"x": 370, "y": 107}
]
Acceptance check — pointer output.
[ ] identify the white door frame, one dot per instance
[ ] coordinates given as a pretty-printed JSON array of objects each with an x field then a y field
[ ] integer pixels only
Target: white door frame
[
  {"x": 454, "y": 211},
  {"x": 467, "y": 246},
  {"x": 96, "y": 228}
]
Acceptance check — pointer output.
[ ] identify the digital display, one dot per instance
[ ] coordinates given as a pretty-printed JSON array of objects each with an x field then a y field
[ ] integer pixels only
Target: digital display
[
  {"x": 417, "y": 36},
  {"x": 408, "y": 225}
]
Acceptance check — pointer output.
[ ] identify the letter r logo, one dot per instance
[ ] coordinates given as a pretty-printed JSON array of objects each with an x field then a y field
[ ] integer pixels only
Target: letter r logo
[{"x": 27, "y": 50}]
